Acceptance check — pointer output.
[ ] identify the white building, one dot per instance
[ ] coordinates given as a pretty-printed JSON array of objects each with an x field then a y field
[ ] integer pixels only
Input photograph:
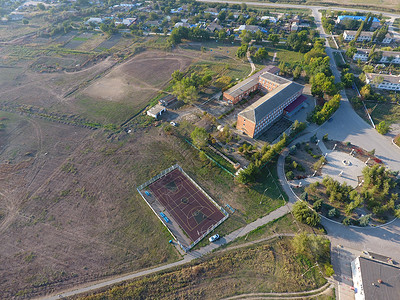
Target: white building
[
  {"x": 365, "y": 36},
  {"x": 383, "y": 81},
  {"x": 361, "y": 55},
  {"x": 387, "y": 56},
  {"x": 156, "y": 111},
  {"x": 94, "y": 20},
  {"x": 269, "y": 18}
]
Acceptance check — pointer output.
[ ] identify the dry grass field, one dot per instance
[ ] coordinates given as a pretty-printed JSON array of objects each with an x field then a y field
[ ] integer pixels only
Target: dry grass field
[
  {"x": 69, "y": 208},
  {"x": 272, "y": 266}
]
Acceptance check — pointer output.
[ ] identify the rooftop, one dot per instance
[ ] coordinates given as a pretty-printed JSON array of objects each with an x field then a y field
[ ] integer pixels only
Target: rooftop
[
  {"x": 385, "y": 77},
  {"x": 360, "y": 18},
  {"x": 384, "y": 53},
  {"x": 275, "y": 78},
  {"x": 365, "y": 33},
  {"x": 380, "y": 281},
  {"x": 246, "y": 84},
  {"x": 270, "y": 101}
]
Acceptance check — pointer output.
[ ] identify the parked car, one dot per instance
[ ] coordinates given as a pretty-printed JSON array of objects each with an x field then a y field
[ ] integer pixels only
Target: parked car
[{"x": 214, "y": 238}]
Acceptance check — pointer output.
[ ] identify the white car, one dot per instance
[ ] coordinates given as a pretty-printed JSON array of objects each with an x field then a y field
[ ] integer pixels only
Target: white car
[{"x": 214, "y": 238}]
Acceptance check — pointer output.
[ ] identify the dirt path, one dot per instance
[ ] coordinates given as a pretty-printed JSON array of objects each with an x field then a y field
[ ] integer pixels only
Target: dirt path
[
  {"x": 253, "y": 67},
  {"x": 296, "y": 295}
]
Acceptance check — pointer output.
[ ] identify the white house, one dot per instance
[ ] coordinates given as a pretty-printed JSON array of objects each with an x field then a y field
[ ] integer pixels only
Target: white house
[
  {"x": 269, "y": 18},
  {"x": 349, "y": 35},
  {"x": 383, "y": 81},
  {"x": 94, "y": 20}
]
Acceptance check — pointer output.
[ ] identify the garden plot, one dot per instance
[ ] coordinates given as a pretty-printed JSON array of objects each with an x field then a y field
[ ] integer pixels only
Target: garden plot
[
  {"x": 108, "y": 44},
  {"x": 78, "y": 40},
  {"x": 66, "y": 37}
]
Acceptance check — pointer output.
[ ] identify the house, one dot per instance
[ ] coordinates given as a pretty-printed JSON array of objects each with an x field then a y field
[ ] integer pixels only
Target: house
[
  {"x": 156, "y": 111},
  {"x": 383, "y": 81},
  {"x": 269, "y": 18},
  {"x": 375, "y": 280},
  {"x": 294, "y": 27},
  {"x": 214, "y": 27},
  {"x": 254, "y": 119},
  {"x": 212, "y": 11},
  {"x": 167, "y": 100},
  {"x": 349, "y": 35},
  {"x": 94, "y": 20},
  {"x": 386, "y": 56},
  {"x": 375, "y": 22},
  {"x": 250, "y": 28},
  {"x": 127, "y": 22},
  {"x": 181, "y": 24}
]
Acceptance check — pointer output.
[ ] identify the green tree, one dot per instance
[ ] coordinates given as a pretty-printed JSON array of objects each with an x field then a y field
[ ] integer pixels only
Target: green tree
[
  {"x": 304, "y": 214},
  {"x": 348, "y": 80},
  {"x": 273, "y": 38},
  {"x": 382, "y": 127},
  {"x": 248, "y": 175},
  {"x": 241, "y": 51},
  {"x": 245, "y": 37},
  {"x": 261, "y": 54},
  {"x": 200, "y": 137},
  {"x": 41, "y": 6}
]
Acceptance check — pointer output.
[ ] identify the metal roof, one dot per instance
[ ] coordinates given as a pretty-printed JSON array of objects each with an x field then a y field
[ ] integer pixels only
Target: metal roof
[
  {"x": 275, "y": 78},
  {"x": 262, "y": 107},
  {"x": 371, "y": 272}
]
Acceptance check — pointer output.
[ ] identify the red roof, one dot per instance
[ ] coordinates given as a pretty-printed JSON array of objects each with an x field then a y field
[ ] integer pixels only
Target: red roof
[{"x": 292, "y": 106}]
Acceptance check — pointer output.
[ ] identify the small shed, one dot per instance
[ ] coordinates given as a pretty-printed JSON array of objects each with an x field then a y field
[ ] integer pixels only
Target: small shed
[
  {"x": 167, "y": 100},
  {"x": 156, "y": 111}
]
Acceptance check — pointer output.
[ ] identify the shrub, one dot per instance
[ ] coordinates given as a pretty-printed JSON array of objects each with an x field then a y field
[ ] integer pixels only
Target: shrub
[
  {"x": 304, "y": 196},
  {"x": 382, "y": 127},
  {"x": 289, "y": 175},
  {"x": 325, "y": 137},
  {"x": 347, "y": 221},
  {"x": 332, "y": 213},
  {"x": 292, "y": 149},
  {"x": 364, "y": 220},
  {"x": 317, "y": 205},
  {"x": 305, "y": 215},
  {"x": 329, "y": 270}
]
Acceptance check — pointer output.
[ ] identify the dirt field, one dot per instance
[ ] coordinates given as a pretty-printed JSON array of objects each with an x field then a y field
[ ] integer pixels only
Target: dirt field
[{"x": 69, "y": 208}]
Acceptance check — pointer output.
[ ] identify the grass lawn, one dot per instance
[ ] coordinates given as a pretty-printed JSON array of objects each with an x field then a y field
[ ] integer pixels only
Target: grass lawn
[
  {"x": 105, "y": 112},
  {"x": 284, "y": 55},
  {"x": 396, "y": 24},
  {"x": 338, "y": 59},
  {"x": 387, "y": 112},
  {"x": 269, "y": 267}
]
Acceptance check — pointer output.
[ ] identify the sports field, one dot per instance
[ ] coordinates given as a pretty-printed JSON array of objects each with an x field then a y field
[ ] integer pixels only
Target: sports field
[{"x": 186, "y": 204}]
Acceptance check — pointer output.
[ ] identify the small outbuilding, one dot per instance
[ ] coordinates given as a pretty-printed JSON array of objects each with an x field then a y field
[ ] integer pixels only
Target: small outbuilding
[
  {"x": 167, "y": 100},
  {"x": 156, "y": 111}
]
